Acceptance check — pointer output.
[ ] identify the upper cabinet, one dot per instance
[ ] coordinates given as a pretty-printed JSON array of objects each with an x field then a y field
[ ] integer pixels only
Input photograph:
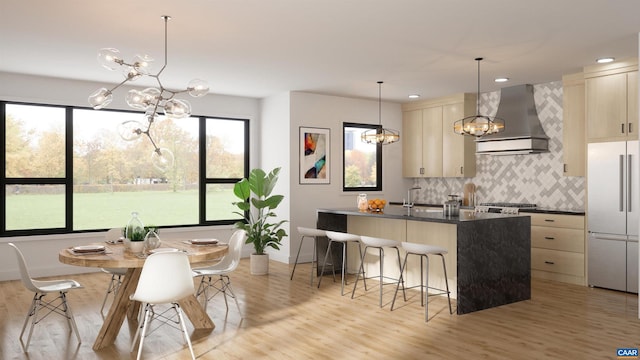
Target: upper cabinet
[
  {"x": 573, "y": 125},
  {"x": 611, "y": 96},
  {"x": 430, "y": 148}
]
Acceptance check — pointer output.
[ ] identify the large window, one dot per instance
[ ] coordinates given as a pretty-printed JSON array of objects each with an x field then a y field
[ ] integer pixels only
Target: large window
[
  {"x": 362, "y": 163},
  {"x": 67, "y": 169}
]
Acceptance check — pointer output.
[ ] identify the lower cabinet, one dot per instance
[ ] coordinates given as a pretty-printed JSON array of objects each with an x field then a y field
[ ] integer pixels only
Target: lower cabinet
[{"x": 557, "y": 247}]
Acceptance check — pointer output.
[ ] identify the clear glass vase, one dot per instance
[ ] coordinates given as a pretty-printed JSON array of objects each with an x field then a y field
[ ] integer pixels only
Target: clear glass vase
[
  {"x": 151, "y": 241},
  {"x": 134, "y": 230}
]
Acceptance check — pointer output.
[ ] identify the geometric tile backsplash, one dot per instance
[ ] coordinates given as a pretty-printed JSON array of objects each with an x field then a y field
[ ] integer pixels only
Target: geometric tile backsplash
[{"x": 535, "y": 178}]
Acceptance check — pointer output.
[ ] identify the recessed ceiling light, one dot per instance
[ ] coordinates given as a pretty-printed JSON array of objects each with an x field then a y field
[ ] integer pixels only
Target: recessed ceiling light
[
  {"x": 414, "y": 96},
  {"x": 501, "y": 79},
  {"x": 605, "y": 60}
]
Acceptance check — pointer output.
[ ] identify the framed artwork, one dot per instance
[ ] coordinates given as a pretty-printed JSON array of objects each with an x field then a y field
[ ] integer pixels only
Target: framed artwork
[{"x": 315, "y": 144}]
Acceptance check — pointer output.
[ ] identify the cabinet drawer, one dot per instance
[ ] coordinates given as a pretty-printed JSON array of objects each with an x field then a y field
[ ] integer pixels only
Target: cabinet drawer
[
  {"x": 562, "y": 262},
  {"x": 555, "y": 220},
  {"x": 557, "y": 238}
]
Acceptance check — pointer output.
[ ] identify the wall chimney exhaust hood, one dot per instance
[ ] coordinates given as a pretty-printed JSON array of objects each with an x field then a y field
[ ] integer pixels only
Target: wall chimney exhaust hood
[{"x": 523, "y": 132}]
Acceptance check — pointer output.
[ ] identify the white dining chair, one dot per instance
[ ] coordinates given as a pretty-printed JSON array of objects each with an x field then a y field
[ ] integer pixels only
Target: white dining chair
[
  {"x": 113, "y": 235},
  {"x": 165, "y": 279},
  {"x": 222, "y": 269},
  {"x": 41, "y": 288}
]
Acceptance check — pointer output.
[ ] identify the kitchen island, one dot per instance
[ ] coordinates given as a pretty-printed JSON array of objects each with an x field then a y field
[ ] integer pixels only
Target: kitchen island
[{"x": 488, "y": 260}]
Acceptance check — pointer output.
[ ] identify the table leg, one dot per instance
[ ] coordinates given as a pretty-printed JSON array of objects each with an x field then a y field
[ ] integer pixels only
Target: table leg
[
  {"x": 196, "y": 314},
  {"x": 117, "y": 312}
]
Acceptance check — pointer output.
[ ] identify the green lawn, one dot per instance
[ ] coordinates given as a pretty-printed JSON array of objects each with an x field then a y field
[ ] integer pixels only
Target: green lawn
[{"x": 107, "y": 210}]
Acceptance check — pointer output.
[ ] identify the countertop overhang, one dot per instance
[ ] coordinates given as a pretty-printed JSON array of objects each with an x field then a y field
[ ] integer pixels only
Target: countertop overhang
[
  {"x": 420, "y": 214},
  {"x": 537, "y": 210}
]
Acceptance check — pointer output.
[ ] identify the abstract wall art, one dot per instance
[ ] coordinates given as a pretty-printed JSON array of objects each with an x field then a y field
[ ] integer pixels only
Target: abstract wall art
[{"x": 314, "y": 155}]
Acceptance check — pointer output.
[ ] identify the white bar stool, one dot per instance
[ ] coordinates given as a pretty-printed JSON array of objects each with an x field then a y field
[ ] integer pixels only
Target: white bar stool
[
  {"x": 380, "y": 244},
  {"x": 308, "y": 233},
  {"x": 424, "y": 251},
  {"x": 342, "y": 238}
]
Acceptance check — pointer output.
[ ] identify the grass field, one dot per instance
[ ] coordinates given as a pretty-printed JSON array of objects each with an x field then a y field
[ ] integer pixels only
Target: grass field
[{"x": 107, "y": 210}]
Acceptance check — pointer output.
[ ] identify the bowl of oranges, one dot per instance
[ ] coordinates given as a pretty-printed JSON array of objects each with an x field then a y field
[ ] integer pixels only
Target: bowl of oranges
[{"x": 376, "y": 205}]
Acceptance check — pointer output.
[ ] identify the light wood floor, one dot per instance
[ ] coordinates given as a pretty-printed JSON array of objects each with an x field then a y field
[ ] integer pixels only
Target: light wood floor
[{"x": 286, "y": 319}]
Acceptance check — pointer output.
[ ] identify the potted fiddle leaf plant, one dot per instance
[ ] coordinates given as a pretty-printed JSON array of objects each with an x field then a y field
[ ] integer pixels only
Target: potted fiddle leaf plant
[{"x": 256, "y": 206}]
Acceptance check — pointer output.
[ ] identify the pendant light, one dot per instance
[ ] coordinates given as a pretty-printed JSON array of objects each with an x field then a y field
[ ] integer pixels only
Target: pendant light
[
  {"x": 152, "y": 100},
  {"x": 478, "y": 125},
  {"x": 380, "y": 135}
]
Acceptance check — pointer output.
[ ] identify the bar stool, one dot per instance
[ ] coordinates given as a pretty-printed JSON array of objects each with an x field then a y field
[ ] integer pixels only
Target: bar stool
[
  {"x": 380, "y": 244},
  {"x": 342, "y": 238},
  {"x": 308, "y": 233},
  {"x": 424, "y": 251}
]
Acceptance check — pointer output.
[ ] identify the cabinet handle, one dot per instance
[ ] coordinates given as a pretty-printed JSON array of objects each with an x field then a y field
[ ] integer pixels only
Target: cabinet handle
[
  {"x": 549, "y": 220},
  {"x": 629, "y": 128},
  {"x": 549, "y": 238},
  {"x": 629, "y": 182},
  {"x": 622, "y": 128},
  {"x": 564, "y": 168},
  {"x": 621, "y": 189},
  {"x": 421, "y": 171},
  {"x": 549, "y": 262},
  {"x": 461, "y": 170}
]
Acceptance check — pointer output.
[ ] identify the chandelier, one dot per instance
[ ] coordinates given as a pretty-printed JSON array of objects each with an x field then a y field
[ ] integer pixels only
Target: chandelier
[
  {"x": 152, "y": 100},
  {"x": 380, "y": 135},
  {"x": 478, "y": 125}
]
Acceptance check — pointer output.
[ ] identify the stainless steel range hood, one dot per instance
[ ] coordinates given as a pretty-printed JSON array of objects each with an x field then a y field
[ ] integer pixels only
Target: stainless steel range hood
[{"x": 523, "y": 133}]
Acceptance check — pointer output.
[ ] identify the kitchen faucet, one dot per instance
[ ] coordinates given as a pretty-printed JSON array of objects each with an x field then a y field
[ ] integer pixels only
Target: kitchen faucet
[{"x": 407, "y": 202}]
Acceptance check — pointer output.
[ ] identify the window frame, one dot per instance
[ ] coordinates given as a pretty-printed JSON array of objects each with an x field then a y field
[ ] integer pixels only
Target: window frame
[
  {"x": 378, "y": 155},
  {"x": 67, "y": 181}
]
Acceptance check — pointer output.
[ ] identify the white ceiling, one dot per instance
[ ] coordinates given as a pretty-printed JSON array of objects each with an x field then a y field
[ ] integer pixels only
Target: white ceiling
[{"x": 258, "y": 48}]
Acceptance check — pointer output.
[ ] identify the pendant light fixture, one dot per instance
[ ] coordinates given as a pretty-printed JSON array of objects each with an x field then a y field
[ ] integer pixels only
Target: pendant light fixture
[
  {"x": 380, "y": 135},
  {"x": 478, "y": 125},
  {"x": 152, "y": 100}
]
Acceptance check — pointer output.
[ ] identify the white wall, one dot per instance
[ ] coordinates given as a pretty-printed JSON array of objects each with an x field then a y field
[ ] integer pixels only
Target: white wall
[
  {"x": 42, "y": 251},
  {"x": 330, "y": 112},
  {"x": 275, "y": 149}
]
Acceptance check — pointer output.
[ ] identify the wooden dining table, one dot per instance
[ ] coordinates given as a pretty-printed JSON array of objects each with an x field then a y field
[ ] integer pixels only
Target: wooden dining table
[{"x": 116, "y": 256}]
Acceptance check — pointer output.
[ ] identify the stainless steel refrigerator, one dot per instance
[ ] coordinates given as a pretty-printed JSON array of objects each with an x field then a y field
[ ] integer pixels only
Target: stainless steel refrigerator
[{"x": 612, "y": 215}]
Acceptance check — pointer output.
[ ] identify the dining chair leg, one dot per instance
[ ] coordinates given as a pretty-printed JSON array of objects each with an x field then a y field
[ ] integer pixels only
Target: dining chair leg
[
  {"x": 142, "y": 334},
  {"x": 228, "y": 289},
  {"x": 203, "y": 290},
  {"x": 114, "y": 284},
  {"x": 69, "y": 315},
  {"x": 33, "y": 316},
  {"x": 185, "y": 333}
]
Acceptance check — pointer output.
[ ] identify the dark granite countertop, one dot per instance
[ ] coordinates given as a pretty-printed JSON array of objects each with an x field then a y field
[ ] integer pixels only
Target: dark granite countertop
[
  {"x": 579, "y": 212},
  {"x": 419, "y": 214}
]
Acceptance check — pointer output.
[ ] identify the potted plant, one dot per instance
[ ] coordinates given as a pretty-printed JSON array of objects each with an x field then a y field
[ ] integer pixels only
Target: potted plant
[
  {"x": 256, "y": 205},
  {"x": 136, "y": 236}
]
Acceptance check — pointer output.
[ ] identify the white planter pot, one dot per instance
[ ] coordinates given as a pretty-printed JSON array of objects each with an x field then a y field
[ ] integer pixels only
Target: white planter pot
[
  {"x": 136, "y": 247},
  {"x": 259, "y": 264}
]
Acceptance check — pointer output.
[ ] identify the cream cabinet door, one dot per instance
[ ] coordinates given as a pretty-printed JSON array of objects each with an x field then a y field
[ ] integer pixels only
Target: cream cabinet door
[
  {"x": 606, "y": 98},
  {"x": 458, "y": 152},
  {"x": 632, "y": 105},
  {"x": 573, "y": 125},
  {"x": 412, "y": 144},
  {"x": 432, "y": 141}
]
